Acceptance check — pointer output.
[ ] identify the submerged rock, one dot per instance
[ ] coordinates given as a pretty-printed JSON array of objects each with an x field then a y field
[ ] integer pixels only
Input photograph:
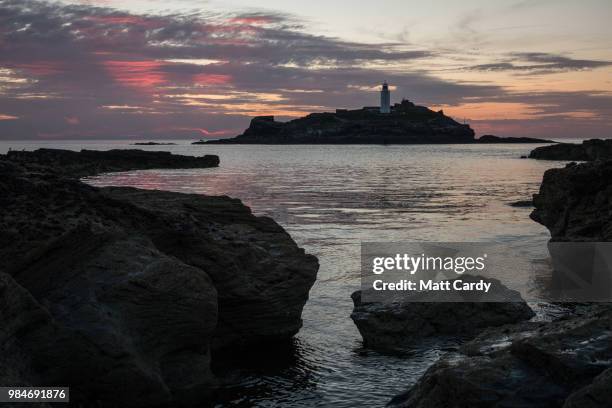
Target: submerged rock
[
  {"x": 395, "y": 324},
  {"x": 522, "y": 203},
  {"x": 575, "y": 202},
  {"x": 89, "y": 162},
  {"x": 125, "y": 294},
  {"x": 535, "y": 365},
  {"x": 593, "y": 149}
]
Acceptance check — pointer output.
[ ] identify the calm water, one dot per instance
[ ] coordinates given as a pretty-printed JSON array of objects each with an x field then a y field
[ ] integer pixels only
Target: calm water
[{"x": 330, "y": 198}]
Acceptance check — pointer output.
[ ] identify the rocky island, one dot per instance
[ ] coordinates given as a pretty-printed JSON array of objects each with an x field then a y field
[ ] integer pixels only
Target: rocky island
[
  {"x": 406, "y": 123},
  {"x": 127, "y": 294}
]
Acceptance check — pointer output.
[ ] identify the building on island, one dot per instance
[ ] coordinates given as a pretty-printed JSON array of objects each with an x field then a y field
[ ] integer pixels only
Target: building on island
[{"x": 385, "y": 99}]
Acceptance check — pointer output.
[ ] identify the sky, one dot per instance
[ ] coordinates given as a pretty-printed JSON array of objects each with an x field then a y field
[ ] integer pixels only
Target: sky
[{"x": 191, "y": 69}]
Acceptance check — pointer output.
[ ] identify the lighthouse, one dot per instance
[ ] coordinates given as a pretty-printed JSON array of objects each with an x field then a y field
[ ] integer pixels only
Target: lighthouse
[{"x": 385, "y": 99}]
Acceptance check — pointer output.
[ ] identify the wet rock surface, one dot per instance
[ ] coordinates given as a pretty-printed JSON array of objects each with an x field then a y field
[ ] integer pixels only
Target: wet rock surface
[
  {"x": 589, "y": 150},
  {"x": 126, "y": 294},
  {"x": 402, "y": 321},
  {"x": 556, "y": 364}
]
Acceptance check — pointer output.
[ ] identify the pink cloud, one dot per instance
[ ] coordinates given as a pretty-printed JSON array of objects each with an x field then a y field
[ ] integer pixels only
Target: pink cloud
[
  {"x": 211, "y": 79},
  {"x": 142, "y": 75}
]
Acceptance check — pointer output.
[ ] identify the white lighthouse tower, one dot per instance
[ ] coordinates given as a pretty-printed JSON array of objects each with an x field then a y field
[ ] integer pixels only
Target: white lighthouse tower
[{"x": 385, "y": 99}]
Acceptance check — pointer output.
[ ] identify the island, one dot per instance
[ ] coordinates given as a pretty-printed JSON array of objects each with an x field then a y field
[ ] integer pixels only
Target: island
[{"x": 406, "y": 123}]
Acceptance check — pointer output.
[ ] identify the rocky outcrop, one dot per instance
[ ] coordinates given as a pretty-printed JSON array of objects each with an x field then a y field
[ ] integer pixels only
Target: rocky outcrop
[
  {"x": 89, "y": 162},
  {"x": 575, "y": 202},
  {"x": 521, "y": 203},
  {"x": 529, "y": 365},
  {"x": 499, "y": 139},
  {"x": 406, "y": 124},
  {"x": 398, "y": 323},
  {"x": 594, "y": 149},
  {"x": 125, "y": 294}
]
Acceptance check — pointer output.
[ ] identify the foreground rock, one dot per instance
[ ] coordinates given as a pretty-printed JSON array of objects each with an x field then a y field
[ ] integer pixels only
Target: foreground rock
[
  {"x": 575, "y": 202},
  {"x": 499, "y": 139},
  {"x": 89, "y": 162},
  {"x": 559, "y": 364},
  {"x": 406, "y": 124},
  {"x": 396, "y": 324},
  {"x": 125, "y": 294},
  {"x": 594, "y": 149}
]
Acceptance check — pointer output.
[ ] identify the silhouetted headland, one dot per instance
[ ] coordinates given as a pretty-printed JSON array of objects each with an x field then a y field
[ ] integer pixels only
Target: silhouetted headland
[
  {"x": 406, "y": 123},
  {"x": 593, "y": 149}
]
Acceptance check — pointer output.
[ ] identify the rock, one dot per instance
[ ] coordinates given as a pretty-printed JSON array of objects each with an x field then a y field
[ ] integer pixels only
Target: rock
[
  {"x": 407, "y": 124},
  {"x": 24, "y": 324},
  {"x": 498, "y": 139},
  {"x": 575, "y": 202},
  {"x": 137, "y": 289},
  {"x": 400, "y": 323},
  {"x": 90, "y": 162},
  {"x": 598, "y": 394},
  {"x": 532, "y": 365},
  {"x": 589, "y": 150}
]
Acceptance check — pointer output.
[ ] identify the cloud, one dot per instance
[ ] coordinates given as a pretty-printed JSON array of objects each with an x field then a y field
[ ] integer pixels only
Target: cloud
[{"x": 540, "y": 63}]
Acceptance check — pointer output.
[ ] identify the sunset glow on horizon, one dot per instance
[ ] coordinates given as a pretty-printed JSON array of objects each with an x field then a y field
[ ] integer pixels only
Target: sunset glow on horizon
[{"x": 191, "y": 69}]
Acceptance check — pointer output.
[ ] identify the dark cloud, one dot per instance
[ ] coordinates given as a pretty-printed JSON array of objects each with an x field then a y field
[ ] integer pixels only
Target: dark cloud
[{"x": 540, "y": 63}]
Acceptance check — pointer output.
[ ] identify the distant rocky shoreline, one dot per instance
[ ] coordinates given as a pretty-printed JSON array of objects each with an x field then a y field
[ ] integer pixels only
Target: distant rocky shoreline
[{"x": 127, "y": 294}]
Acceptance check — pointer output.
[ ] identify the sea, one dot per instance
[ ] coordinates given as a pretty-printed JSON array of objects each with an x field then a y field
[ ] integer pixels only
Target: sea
[{"x": 331, "y": 199}]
